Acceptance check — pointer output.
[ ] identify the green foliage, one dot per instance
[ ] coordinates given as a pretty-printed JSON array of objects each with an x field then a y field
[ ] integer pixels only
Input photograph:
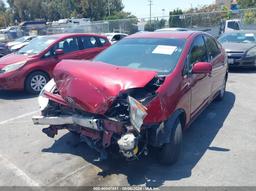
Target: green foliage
[
  {"x": 120, "y": 15},
  {"x": 244, "y": 4},
  {"x": 153, "y": 25},
  {"x": 250, "y": 17},
  {"x": 24, "y": 10},
  {"x": 175, "y": 19}
]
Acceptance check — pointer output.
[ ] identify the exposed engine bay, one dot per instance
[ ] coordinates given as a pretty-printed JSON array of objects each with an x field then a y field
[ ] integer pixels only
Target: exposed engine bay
[{"x": 121, "y": 125}]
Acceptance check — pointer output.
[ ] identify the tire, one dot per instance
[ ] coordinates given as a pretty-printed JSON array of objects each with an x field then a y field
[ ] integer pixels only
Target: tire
[
  {"x": 35, "y": 82},
  {"x": 169, "y": 153},
  {"x": 222, "y": 92}
]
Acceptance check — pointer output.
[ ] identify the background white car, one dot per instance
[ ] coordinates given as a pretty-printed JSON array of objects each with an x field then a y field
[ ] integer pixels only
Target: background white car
[
  {"x": 114, "y": 37},
  {"x": 19, "y": 43}
]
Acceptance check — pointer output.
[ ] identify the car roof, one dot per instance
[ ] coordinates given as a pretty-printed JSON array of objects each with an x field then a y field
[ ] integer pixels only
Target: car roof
[
  {"x": 240, "y": 31},
  {"x": 172, "y": 29},
  {"x": 66, "y": 35},
  {"x": 113, "y": 34},
  {"x": 173, "y": 34}
]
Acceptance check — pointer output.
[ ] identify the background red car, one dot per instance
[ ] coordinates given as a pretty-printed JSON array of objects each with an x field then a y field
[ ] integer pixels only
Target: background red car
[{"x": 31, "y": 67}]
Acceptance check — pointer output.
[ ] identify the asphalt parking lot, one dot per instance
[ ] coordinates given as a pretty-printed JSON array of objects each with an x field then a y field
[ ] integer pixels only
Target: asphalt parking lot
[{"x": 218, "y": 150}]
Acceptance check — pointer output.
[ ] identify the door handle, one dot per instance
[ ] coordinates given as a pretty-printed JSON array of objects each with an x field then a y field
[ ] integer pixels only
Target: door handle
[{"x": 187, "y": 85}]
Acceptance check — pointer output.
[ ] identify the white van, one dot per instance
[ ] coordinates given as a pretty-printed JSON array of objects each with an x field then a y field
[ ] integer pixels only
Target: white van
[{"x": 230, "y": 25}]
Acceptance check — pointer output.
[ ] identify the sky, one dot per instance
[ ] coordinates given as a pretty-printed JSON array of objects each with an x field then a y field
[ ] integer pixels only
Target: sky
[{"x": 140, "y": 8}]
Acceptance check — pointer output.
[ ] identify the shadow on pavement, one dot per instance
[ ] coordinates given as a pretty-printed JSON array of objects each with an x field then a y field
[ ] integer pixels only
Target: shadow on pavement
[
  {"x": 197, "y": 140},
  {"x": 243, "y": 70},
  {"x": 15, "y": 95}
]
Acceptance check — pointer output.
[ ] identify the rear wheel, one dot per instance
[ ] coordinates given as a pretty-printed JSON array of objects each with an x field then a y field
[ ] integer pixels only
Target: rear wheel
[
  {"x": 35, "y": 82},
  {"x": 169, "y": 153}
]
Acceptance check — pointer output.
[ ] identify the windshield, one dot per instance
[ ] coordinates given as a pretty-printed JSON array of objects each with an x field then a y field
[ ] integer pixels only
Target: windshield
[
  {"x": 159, "y": 55},
  {"x": 238, "y": 37},
  {"x": 37, "y": 45}
]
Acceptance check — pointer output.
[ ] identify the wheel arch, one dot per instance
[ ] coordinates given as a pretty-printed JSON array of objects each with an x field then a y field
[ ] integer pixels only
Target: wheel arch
[{"x": 160, "y": 134}]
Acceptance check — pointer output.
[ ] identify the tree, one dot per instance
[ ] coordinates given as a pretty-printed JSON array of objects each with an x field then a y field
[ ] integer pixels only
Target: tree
[
  {"x": 175, "y": 18},
  {"x": 52, "y": 10},
  {"x": 153, "y": 25},
  {"x": 59, "y": 9},
  {"x": 244, "y": 4}
]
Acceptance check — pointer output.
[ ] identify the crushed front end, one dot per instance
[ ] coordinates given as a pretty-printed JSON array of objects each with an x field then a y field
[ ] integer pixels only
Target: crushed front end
[
  {"x": 120, "y": 127},
  {"x": 107, "y": 110}
]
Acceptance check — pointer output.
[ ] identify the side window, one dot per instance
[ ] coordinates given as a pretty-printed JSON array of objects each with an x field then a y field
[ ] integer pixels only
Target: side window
[
  {"x": 89, "y": 42},
  {"x": 116, "y": 37},
  {"x": 212, "y": 48},
  {"x": 197, "y": 52},
  {"x": 102, "y": 41},
  {"x": 67, "y": 45},
  {"x": 48, "y": 54}
]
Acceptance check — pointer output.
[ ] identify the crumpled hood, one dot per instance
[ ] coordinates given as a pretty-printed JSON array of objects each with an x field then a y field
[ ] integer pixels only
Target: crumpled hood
[
  {"x": 12, "y": 59},
  {"x": 95, "y": 85},
  {"x": 237, "y": 47}
]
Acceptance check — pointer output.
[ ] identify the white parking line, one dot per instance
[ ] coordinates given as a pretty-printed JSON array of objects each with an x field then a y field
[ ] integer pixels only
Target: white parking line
[
  {"x": 18, "y": 172},
  {"x": 18, "y": 117},
  {"x": 69, "y": 175}
]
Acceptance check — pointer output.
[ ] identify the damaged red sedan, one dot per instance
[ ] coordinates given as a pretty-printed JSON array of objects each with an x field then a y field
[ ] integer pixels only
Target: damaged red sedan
[{"x": 141, "y": 92}]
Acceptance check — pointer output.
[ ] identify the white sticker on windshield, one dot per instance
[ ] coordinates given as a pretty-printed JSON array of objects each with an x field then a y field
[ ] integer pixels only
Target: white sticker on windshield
[
  {"x": 249, "y": 34},
  {"x": 163, "y": 49},
  {"x": 29, "y": 51}
]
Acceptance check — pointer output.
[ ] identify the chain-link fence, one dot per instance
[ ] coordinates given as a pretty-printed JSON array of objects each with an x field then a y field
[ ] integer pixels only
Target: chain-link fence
[
  {"x": 128, "y": 26},
  {"x": 207, "y": 21},
  {"x": 210, "y": 21}
]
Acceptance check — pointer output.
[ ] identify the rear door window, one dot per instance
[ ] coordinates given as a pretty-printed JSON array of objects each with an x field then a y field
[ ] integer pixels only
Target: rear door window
[
  {"x": 212, "y": 47},
  {"x": 68, "y": 45},
  {"x": 89, "y": 42}
]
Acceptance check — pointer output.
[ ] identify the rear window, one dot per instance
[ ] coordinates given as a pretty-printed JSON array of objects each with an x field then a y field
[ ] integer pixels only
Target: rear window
[{"x": 233, "y": 25}]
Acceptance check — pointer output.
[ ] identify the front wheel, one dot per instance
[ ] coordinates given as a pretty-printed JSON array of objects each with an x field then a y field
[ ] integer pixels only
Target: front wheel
[
  {"x": 169, "y": 153},
  {"x": 35, "y": 82}
]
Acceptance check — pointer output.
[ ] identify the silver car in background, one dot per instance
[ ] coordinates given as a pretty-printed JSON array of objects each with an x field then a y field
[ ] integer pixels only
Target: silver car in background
[{"x": 240, "y": 47}]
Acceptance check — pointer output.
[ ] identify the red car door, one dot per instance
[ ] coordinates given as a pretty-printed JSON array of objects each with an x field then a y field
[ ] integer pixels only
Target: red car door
[
  {"x": 200, "y": 83},
  {"x": 218, "y": 63},
  {"x": 71, "y": 48}
]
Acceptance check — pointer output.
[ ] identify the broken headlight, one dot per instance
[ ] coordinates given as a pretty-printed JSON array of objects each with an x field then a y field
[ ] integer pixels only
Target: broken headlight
[
  {"x": 138, "y": 112},
  {"x": 42, "y": 100}
]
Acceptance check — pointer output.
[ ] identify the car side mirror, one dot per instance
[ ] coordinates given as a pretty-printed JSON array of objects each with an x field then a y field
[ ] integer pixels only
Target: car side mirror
[
  {"x": 202, "y": 68},
  {"x": 59, "y": 52}
]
